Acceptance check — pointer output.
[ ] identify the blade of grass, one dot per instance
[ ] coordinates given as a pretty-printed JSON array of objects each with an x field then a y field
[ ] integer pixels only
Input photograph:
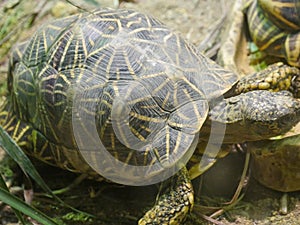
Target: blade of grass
[
  {"x": 17, "y": 213},
  {"x": 16, "y": 153},
  {"x": 21, "y": 206}
]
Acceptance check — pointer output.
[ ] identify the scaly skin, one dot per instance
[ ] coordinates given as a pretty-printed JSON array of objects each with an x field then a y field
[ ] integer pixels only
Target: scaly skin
[{"x": 173, "y": 206}]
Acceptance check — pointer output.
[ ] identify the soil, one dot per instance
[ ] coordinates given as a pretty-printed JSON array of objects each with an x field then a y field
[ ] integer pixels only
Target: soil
[{"x": 115, "y": 204}]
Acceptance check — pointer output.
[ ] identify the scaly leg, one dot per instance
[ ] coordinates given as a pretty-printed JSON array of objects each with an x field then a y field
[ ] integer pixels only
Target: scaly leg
[{"x": 173, "y": 206}]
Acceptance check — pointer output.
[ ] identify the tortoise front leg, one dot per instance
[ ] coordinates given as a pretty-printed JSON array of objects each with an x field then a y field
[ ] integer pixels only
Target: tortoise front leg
[{"x": 173, "y": 206}]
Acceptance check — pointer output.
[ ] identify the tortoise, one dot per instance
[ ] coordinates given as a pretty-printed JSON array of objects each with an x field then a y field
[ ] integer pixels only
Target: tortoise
[
  {"x": 275, "y": 164},
  {"x": 117, "y": 95},
  {"x": 271, "y": 23},
  {"x": 275, "y": 161},
  {"x": 274, "y": 27}
]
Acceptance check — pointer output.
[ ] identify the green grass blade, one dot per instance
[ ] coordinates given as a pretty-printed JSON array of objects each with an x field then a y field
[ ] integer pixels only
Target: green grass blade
[
  {"x": 17, "y": 213},
  {"x": 16, "y": 153},
  {"x": 21, "y": 206}
]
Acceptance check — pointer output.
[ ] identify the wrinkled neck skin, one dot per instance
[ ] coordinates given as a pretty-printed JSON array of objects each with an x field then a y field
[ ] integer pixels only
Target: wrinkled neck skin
[{"x": 251, "y": 116}]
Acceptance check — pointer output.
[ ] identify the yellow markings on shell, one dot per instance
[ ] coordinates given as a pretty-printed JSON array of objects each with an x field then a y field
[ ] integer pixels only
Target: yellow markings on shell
[
  {"x": 45, "y": 41},
  {"x": 193, "y": 86},
  {"x": 138, "y": 30},
  {"x": 66, "y": 48},
  {"x": 99, "y": 49},
  {"x": 134, "y": 101},
  {"x": 166, "y": 99},
  {"x": 19, "y": 53},
  {"x": 99, "y": 60},
  {"x": 292, "y": 51},
  {"x": 160, "y": 87},
  {"x": 144, "y": 41},
  {"x": 88, "y": 112},
  {"x": 152, "y": 75},
  {"x": 179, "y": 125},
  {"x": 132, "y": 22},
  {"x": 137, "y": 134},
  {"x": 148, "y": 106},
  {"x": 270, "y": 39},
  {"x": 105, "y": 20},
  {"x": 175, "y": 99},
  {"x": 196, "y": 111},
  {"x": 113, "y": 141},
  {"x": 27, "y": 83},
  {"x": 17, "y": 135},
  {"x": 92, "y": 43},
  {"x": 61, "y": 121},
  {"x": 145, "y": 118},
  {"x": 49, "y": 77},
  {"x": 167, "y": 153},
  {"x": 73, "y": 74},
  {"x": 4, "y": 114},
  {"x": 40, "y": 151},
  {"x": 129, "y": 67},
  {"x": 123, "y": 137},
  {"x": 254, "y": 15},
  {"x": 110, "y": 27},
  {"x": 132, "y": 14},
  {"x": 183, "y": 116},
  {"x": 129, "y": 156},
  {"x": 146, "y": 128},
  {"x": 179, "y": 51},
  {"x": 166, "y": 37},
  {"x": 76, "y": 55},
  {"x": 263, "y": 39},
  {"x": 9, "y": 125},
  {"x": 46, "y": 120},
  {"x": 108, "y": 66},
  {"x": 178, "y": 141},
  {"x": 84, "y": 45},
  {"x": 63, "y": 93},
  {"x": 65, "y": 79},
  {"x": 277, "y": 8},
  {"x": 51, "y": 26},
  {"x": 115, "y": 88},
  {"x": 36, "y": 39}
]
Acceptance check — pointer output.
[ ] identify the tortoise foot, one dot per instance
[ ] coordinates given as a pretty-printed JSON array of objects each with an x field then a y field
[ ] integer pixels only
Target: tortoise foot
[{"x": 173, "y": 206}]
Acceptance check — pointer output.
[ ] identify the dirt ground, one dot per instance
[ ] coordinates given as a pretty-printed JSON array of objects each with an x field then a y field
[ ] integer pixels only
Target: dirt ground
[{"x": 114, "y": 204}]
